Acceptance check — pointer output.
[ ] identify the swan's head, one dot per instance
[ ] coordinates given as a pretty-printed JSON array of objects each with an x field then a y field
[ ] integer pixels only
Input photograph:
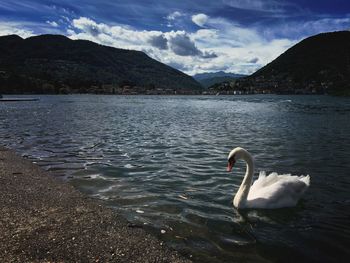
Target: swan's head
[{"x": 236, "y": 154}]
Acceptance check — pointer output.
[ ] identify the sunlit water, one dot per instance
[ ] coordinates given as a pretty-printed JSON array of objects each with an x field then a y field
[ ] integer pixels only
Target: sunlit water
[{"x": 160, "y": 161}]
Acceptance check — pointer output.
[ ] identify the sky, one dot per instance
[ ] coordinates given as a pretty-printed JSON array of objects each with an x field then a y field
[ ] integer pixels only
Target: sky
[{"x": 194, "y": 36}]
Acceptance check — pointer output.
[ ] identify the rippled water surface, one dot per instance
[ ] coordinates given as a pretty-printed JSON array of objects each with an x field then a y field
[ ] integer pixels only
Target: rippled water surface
[{"x": 160, "y": 161}]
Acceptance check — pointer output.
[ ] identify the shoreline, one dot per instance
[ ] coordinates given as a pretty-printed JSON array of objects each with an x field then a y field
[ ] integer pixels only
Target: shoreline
[{"x": 44, "y": 219}]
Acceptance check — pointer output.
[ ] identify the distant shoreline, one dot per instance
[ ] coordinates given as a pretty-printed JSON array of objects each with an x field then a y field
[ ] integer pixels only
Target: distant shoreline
[{"x": 144, "y": 94}]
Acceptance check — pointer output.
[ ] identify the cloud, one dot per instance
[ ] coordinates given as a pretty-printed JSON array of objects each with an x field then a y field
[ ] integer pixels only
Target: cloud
[
  {"x": 176, "y": 43},
  {"x": 182, "y": 45},
  {"x": 231, "y": 35},
  {"x": 87, "y": 25},
  {"x": 52, "y": 23},
  {"x": 209, "y": 54},
  {"x": 200, "y": 19},
  {"x": 158, "y": 41},
  {"x": 10, "y": 28},
  {"x": 222, "y": 45},
  {"x": 174, "y": 15},
  {"x": 257, "y": 5},
  {"x": 300, "y": 29},
  {"x": 237, "y": 48},
  {"x": 253, "y": 60},
  {"x": 174, "y": 18}
]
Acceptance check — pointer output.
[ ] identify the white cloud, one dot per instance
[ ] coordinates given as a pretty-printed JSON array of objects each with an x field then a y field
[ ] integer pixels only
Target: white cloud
[
  {"x": 200, "y": 19},
  {"x": 174, "y": 15},
  {"x": 169, "y": 44},
  {"x": 174, "y": 18},
  {"x": 257, "y": 5},
  {"x": 10, "y": 28},
  {"x": 52, "y": 23},
  {"x": 222, "y": 45},
  {"x": 238, "y": 49}
]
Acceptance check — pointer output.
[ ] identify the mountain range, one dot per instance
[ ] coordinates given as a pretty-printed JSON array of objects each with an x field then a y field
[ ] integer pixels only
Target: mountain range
[
  {"x": 208, "y": 79},
  {"x": 56, "y": 64},
  {"x": 208, "y": 75}
]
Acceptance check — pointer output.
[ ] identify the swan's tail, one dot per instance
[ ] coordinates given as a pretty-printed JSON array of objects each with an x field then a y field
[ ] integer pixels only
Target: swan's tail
[{"x": 306, "y": 179}]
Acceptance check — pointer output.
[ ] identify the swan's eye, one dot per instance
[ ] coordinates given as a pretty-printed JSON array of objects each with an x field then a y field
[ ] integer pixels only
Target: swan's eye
[{"x": 232, "y": 160}]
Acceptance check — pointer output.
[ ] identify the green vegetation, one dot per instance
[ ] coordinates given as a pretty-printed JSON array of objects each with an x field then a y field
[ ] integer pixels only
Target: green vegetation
[{"x": 56, "y": 64}]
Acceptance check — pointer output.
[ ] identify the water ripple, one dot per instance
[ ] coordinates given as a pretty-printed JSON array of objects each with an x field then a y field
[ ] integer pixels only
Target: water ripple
[{"x": 160, "y": 161}]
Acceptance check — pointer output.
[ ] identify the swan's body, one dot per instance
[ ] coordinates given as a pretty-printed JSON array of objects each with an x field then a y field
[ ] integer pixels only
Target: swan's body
[{"x": 269, "y": 192}]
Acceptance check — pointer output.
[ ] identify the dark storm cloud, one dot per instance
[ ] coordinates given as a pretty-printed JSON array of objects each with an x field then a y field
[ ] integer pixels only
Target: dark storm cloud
[
  {"x": 159, "y": 42},
  {"x": 182, "y": 45}
]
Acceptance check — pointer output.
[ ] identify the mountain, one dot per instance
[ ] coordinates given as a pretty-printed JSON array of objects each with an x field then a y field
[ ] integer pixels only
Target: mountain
[
  {"x": 209, "y": 79},
  {"x": 318, "y": 64},
  {"x": 209, "y": 75},
  {"x": 55, "y": 64},
  {"x": 206, "y": 83}
]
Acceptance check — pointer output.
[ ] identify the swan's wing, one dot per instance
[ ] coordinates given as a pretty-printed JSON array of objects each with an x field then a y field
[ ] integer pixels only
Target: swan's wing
[
  {"x": 280, "y": 191},
  {"x": 264, "y": 181}
]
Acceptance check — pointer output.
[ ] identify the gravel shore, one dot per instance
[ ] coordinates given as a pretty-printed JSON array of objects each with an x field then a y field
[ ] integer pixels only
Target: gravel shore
[{"x": 43, "y": 219}]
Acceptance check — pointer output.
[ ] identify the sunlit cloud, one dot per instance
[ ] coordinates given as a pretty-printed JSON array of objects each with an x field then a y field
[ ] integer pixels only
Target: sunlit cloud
[
  {"x": 52, "y": 23},
  {"x": 12, "y": 28},
  {"x": 200, "y": 19},
  {"x": 174, "y": 15}
]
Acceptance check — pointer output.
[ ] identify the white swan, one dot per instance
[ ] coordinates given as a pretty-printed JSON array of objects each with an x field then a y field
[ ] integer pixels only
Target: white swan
[{"x": 272, "y": 191}]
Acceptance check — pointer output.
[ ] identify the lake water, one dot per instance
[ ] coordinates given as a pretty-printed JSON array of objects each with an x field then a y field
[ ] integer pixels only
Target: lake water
[{"x": 161, "y": 162}]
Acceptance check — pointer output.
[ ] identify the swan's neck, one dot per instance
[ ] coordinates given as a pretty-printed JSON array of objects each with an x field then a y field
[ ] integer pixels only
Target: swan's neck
[{"x": 243, "y": 191}]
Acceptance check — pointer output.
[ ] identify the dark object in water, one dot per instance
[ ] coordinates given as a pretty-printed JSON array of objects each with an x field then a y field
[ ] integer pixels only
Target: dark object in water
[{"x": 17, "y": 99}]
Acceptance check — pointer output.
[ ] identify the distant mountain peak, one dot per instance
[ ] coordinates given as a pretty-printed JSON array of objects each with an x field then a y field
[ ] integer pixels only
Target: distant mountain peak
[
  {"x": 211, "y": 78},
  {"x": 206, "y": 75}
]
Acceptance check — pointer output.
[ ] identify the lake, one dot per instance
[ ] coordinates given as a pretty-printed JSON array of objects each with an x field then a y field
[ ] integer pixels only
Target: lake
[{"x": 161, "y": 162}]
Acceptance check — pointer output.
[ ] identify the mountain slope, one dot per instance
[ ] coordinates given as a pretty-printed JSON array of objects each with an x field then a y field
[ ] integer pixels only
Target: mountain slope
[
  {"x": 206, "y": 83},
  {"x": 53, "y": 62},
  {"x": 218, "y": 74},
  {"x": 317, "y": 64},
  {"x": 209, "y": 79}
]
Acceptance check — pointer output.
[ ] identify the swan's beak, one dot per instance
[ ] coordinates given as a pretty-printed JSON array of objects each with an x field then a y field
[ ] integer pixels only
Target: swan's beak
[{"x": 230, "y": 165}]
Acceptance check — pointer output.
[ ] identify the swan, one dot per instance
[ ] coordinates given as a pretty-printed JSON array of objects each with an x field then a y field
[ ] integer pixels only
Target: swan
[{"x": 268, "y": 192}]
